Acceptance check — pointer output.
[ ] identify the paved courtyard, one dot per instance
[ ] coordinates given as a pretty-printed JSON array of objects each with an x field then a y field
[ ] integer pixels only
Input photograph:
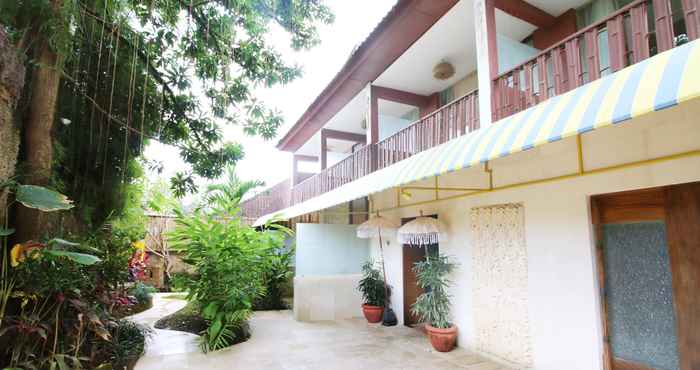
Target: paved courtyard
[{"x": 279, "y": 342}]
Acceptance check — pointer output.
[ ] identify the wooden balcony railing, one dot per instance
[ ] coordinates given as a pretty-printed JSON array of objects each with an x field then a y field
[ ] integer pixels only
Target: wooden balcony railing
[
  {"x": 271, "y": 200},
  {"x": 451, "y": 121},
  {"x": 628, "y": 36},
  {"x": 353, "y": 167}
]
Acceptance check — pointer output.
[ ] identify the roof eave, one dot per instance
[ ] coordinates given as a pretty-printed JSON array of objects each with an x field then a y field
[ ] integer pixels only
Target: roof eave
[{"x": 403, "y": 25}]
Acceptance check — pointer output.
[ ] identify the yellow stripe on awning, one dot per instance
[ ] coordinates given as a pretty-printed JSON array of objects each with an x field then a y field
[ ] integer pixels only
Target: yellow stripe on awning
[{"x": 656, "y": 83}]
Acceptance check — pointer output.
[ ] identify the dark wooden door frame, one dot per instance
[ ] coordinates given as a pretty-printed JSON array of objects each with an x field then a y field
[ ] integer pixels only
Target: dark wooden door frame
[
  {"x": 406, "y": 307},
  {"x": 679, "y": 207}
]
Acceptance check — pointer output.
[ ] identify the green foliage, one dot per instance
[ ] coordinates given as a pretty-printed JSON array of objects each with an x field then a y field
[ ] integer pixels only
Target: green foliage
[
  {"x": 79, "y": 258},
  {"x": 59, "y": 298},
  {"x": 142, "y": 292},
  {"x": 135, "y": 63},
  {"x": 127, "y": 344},
  {"x": 179, "y": 281},
  {"x": 277, "y": 276},
  {"x": 160, "y": 198},
  {"x": 130, "y": 220},
  {"x": 232, "y": 263},
  {"x": 371, "y": 284},
  {"x": 52, "y": 274},
  {"x": 41, "y": 198},
  {"x": 225, "y": 197},
  {"x": 433, "y": 306}
]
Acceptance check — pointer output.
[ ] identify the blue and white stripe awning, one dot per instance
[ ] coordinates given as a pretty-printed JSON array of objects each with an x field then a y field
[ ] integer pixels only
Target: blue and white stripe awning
[{"x": 660, "y": 82}]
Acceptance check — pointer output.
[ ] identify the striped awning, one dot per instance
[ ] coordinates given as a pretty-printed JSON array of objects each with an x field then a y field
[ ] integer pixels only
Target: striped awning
[{"x": 660, "y": 82}]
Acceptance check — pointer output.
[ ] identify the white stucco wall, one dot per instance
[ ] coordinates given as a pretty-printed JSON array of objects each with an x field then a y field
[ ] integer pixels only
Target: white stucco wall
[
  {"x": 512, "y": 53},
  {"x": 562, "y": 288},
  {"x": 328, "y": 297},
  {"x": 323, "y": 249},
  {"x": 329, "y": 258},
  {"x": 389, "y": 125}
]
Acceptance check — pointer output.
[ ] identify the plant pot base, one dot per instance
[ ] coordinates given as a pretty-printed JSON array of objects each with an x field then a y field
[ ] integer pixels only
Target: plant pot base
[
  {"x": 373, "y": 314},
  {"x": 443, "y": 340}
]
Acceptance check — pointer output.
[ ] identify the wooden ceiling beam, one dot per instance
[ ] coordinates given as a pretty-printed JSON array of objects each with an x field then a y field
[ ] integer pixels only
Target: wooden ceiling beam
[
  {"x": 523, "y": 10},
  {"x": 399, "y": 96},
  {"x": 343, "y": 135}
]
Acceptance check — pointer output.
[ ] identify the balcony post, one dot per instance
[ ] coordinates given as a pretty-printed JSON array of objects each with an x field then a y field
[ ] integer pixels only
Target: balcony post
[
  {"x": 324, "y": 149},
  {"x": 487, "y": 55},
  {"x": 373, "y": 128}
]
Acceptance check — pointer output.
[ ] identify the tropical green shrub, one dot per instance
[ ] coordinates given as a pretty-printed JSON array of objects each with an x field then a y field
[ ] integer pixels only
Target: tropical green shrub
[
  {"x": 433, "y": 305},
  {"x": 371, "y": 284},
  {"x": 142, "y": 292},
  {"x": 231, "y": 262},
  {"x": 178, "y": 283},
  {"x": 55, "y": 309},
  {"x": 127, "y": 343},
  {"x": 277, "y": 277}
]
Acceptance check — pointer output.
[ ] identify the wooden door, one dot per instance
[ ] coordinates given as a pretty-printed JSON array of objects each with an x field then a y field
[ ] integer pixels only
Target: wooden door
[
  {"x": 411, "y": 290},
  {"x": 648, "y": 246}
]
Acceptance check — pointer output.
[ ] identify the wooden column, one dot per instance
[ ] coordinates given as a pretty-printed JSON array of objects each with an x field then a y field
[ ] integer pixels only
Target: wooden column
[
  {"x": 490, "y": 14},
  {"x": 373, "y": 119},
  {"x": 324, "y": 149},
  {"x": 683, "y": 224}
]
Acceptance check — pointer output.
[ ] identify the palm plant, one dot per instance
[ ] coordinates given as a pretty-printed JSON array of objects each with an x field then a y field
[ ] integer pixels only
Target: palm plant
[
  {"x": 227, "y": 196},
  {"x": 433, "y": 306}
]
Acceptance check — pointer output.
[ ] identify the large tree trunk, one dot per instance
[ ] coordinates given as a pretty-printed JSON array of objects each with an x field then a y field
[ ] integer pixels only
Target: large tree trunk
[
  {"x": 11, "y": 84},
  {"x": 36, "y": 138}
]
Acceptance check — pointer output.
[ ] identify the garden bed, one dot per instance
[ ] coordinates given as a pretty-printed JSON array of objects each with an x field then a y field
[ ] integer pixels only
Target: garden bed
[{"x": 189, "y": 319}]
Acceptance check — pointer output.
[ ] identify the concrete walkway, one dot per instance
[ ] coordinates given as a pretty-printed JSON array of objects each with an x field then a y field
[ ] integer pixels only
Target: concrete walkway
[{"x": 279, "y": 342}]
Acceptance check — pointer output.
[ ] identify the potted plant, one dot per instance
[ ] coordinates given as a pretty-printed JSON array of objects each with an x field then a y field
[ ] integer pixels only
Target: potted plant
[
  {"x": 433, "y": 306},
  {"x": 373, "y": 292}
]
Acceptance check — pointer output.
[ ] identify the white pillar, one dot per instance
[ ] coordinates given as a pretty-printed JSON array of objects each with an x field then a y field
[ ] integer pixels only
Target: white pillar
[{"x": 484, "y": 65}]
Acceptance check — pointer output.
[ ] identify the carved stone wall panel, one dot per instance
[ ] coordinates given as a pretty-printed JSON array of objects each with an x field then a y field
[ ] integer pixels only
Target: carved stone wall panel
[{"x": 499, "y": 255}]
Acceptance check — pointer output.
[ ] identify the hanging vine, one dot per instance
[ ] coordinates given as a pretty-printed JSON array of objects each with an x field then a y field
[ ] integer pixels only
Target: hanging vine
[{"x": 128, "y": 70}]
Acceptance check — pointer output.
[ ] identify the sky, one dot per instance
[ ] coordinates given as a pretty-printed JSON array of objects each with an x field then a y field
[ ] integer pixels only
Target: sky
[{"x": 354, "y": 20}]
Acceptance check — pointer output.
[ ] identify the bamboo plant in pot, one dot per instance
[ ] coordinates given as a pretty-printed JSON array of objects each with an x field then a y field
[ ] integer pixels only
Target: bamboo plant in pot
[
  {"x": 433, "y": 306},
  {"x": 373, "y": 292}
]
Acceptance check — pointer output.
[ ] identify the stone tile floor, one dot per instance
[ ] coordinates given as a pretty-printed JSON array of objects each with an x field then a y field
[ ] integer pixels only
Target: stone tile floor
[{"x": 280, "y": 342}]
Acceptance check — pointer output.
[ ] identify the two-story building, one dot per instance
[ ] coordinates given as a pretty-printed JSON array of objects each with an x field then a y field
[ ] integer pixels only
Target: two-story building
[{"x": 559, "y": 141}]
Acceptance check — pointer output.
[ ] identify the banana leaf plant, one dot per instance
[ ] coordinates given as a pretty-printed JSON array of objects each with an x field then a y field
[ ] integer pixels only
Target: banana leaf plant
[{"x": 45, "y": 200}]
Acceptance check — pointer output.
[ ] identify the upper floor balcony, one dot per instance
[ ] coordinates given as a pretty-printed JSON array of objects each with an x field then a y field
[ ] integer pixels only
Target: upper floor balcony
[
  {"x": 526, "y": 56},
  {"x": 626, "y": 36}
]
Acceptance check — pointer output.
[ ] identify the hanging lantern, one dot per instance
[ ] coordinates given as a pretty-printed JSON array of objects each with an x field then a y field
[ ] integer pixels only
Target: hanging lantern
[{"x": 443, "y": 70}]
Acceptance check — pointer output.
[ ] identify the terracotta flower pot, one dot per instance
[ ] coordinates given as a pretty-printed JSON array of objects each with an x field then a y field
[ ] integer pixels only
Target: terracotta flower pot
[
  {"x": 443, "y": 340},
  {"x": 373, "y": 314}
]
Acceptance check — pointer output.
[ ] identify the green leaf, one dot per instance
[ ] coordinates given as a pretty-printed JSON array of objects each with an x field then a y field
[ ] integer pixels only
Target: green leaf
[
  {"x": 215, "y": 328},
  {"x": 47, "y": 200},
  {"x": 62, "y": 243},
  {"x": 81, "y": 258},
  {"x": 6, "y": 232},
  {"x": 210, "y": 310}
]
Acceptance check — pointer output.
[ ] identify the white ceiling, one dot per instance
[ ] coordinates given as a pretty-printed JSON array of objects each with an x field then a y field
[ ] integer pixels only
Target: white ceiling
[
  {"x": 451, "y": 39},
  {"x": 557, "y": 7},
  {"x": 514, "y": 28}
]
